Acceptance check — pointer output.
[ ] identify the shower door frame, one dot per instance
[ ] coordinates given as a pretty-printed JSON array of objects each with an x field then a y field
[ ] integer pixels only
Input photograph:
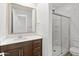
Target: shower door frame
[{"x": 69, "y": 20}]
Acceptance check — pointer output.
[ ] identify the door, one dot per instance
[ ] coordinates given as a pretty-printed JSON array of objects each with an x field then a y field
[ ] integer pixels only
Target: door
[
  {"x": 27, "y": 49},
  {"x": 65, "y": 34},
  {"x": 56, "y": 34}
]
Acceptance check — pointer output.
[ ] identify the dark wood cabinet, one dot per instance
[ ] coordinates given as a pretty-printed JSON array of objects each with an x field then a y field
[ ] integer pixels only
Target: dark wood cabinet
[
  {"x": 0, "y": 49},
  {"x": 37, "y": 48},
  {"x": 13, "y": 52},
  {"x": 28, "y": 48}
]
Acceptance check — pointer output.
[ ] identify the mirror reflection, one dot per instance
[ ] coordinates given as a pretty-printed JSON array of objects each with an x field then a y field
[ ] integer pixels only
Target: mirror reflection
[{"x": 22, "y": 19}]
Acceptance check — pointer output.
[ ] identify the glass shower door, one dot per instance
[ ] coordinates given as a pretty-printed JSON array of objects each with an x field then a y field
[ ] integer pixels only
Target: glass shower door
[
  {"x": 56, "y": 35},
  {"x": 65, "y": 34}
]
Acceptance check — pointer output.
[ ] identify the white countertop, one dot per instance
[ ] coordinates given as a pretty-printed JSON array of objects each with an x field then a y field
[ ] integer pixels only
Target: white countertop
[{"x": 17, "y": 40}]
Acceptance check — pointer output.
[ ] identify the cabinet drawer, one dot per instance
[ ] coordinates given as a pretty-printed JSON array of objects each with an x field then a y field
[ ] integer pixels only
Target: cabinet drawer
[
  {"x": 14, "y": 52},
  {"x": 36, "y": 43},
  {"x": 37, "y": 54},
  {"x": 38, "y": 49},
  {"x": 15, "y": 46}
]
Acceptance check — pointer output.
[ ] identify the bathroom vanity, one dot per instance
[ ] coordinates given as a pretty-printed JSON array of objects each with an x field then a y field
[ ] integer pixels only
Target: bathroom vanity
[
  {"x": 23, "y": 48},
  {"x": 20, "y": 22}
]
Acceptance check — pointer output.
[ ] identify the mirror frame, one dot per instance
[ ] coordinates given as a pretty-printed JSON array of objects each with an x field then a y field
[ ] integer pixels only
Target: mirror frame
[{"x": 10, "y": 18}]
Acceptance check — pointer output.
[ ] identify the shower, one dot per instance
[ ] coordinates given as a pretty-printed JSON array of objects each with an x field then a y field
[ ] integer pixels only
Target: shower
[{"x": 60, "y": 34}]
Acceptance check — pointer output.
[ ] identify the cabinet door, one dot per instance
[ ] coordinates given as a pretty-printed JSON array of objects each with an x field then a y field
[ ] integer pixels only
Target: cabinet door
[
  {"x": 56, "y": 34},
  {"x": 14, "y": 52},
  {"x": 0, "y": 49},
  {"x": 37, "y": 47},
  {"x": 27, "y": 50}
]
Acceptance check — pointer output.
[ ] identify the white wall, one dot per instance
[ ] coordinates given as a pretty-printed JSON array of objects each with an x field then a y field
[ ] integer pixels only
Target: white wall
[
  {"x": 43, "y": 27},
  {"x": 2, "y": 19},
  {"x": 71, "y": 10}
]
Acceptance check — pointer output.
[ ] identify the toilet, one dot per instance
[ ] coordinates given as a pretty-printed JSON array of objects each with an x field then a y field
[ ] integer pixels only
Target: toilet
[{"x": 74, "y": 49}]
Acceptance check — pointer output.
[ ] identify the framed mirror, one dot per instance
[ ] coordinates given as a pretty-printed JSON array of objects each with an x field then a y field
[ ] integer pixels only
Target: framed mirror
[{"x": 22, "y": 19}]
